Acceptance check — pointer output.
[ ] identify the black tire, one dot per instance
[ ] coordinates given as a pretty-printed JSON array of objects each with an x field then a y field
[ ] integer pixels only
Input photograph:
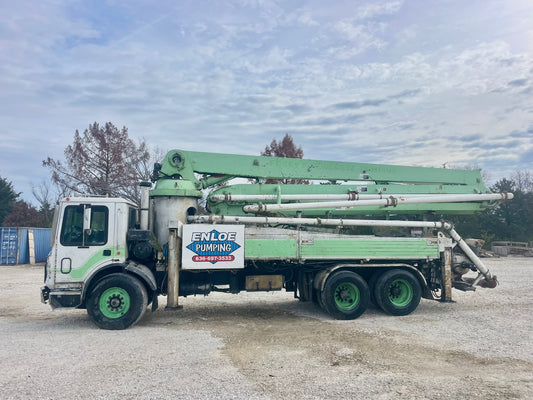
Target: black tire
[
  {"x": 317, "y": 298},
  {"x": 346, "y": 295},
  {"x": 118, "y": 301},
  {"x": 397, "y": 292},
  {"x": 372, "y": 285}
]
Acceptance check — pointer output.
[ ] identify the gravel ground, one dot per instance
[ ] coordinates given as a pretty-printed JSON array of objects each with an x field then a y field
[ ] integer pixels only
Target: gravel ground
[{"x": 270, "y": 346}]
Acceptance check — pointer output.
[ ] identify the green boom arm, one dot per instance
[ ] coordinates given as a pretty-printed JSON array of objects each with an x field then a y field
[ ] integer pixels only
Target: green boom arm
[
  {"x": 186, "y": 163},
  {"x": 206, "y": 170}
]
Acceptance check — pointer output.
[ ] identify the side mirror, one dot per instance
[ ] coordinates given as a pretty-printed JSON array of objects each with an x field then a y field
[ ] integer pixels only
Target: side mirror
[{"x": 87, "y": 219}]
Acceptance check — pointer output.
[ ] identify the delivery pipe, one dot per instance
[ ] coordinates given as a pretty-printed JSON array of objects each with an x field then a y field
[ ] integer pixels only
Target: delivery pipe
[
  {"x": 390, "y": 201},
  {"x": 220, "y": 219},
  {"x": 490, "y": 280}
]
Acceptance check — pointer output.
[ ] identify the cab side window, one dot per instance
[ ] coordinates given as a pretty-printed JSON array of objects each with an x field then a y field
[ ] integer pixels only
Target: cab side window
[{"x": 72, "y": 233}]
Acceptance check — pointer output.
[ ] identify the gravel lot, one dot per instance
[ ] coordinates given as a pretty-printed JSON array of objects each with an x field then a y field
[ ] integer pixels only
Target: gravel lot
[{"x": 270, "y": 346}]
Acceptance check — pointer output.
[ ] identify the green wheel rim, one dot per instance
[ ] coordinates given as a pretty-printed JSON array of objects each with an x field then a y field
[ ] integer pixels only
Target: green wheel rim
[
  {"x": 400, "y": 293},
  {"x": 347, "y": 296},
  {"x": 114, "y": 302}
]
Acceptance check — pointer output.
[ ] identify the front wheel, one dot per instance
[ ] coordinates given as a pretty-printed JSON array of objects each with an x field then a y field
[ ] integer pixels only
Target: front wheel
[
  {"x": 345, "y": 295},
  {"x": 397, "y": 292},
  {"x": 117, "y": 302}
]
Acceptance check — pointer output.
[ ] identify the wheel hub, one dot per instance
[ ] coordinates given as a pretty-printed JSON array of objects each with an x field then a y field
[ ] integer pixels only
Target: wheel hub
[
  {"x": 344, "y": 295},
  {"x": 395, "y": 291},
  {"x": 400, "y": 293},
  {"x": 114, "y": 302}
]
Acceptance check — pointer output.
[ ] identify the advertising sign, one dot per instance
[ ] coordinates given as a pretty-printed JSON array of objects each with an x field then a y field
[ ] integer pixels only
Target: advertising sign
[{"x": 213, "y": 246}]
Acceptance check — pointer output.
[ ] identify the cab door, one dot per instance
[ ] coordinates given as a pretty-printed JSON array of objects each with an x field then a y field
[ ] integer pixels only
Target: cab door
[{"x": 86, "y": 239}]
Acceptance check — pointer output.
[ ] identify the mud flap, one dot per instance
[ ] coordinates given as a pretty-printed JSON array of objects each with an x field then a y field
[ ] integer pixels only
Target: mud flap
[{"x": 155, "y": 303}]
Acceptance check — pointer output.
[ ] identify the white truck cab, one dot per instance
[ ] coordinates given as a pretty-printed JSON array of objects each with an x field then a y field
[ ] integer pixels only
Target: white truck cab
[{"x": 88, "y": 235}]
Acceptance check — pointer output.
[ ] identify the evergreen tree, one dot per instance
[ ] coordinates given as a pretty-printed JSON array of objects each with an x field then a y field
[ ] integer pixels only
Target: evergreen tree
[{"x": 8, "y": 196}]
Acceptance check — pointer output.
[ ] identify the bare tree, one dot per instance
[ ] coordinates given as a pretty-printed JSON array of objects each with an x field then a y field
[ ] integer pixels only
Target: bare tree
[
  {"x": 46, "y": 198},
  {"x": 102, "y": 161},
  {"x": 523, "y": 180}
]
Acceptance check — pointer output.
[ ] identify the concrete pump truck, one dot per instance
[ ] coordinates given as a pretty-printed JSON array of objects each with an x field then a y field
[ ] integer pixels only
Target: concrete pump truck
[{"x": 195, "y": 233}]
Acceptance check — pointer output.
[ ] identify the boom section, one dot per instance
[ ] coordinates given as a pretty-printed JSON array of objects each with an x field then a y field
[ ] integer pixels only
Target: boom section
[
  {"x": 349, "y": 180},
  {"x": 212, "y": 165}
]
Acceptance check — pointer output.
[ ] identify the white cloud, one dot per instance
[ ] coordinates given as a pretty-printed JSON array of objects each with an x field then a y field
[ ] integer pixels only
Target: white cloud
[
  {"x": 376, "y": 9},
  {"x": 485, "y": 68}
]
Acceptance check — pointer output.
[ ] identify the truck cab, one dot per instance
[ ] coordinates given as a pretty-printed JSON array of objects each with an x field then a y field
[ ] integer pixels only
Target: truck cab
[{"x": 89, "y": 236}]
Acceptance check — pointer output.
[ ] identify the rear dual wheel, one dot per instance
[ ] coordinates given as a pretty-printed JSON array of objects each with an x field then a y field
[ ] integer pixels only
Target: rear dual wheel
[
  {"x": 346, "y": 295},
  {"x": 397, "y": 292}
]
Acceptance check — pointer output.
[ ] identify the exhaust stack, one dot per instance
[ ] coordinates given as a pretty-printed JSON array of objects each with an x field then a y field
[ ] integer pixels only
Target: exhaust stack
[{"x": 145, "y": 204}]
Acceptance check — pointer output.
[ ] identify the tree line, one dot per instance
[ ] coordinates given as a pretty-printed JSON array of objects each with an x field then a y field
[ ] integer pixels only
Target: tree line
[
  {"x": 105, "y": 161},
  {"x": 511, "y": 220}
]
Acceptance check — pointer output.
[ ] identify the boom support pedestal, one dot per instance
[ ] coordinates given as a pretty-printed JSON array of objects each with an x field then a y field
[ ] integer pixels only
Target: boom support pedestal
[{"x": 174, "y": 267}]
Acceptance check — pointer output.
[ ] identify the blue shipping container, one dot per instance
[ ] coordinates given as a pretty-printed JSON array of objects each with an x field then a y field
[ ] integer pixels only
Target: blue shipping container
[
  {"x": 9, "y": 245},
  {"x": 23, "y": 256},
  {"x": 41, "y": 240},
  {"x": 15, "y": 245}
]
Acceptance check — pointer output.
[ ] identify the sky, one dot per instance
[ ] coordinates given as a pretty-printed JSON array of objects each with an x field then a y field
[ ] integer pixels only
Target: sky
[{"x": 409, "y": 82}]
